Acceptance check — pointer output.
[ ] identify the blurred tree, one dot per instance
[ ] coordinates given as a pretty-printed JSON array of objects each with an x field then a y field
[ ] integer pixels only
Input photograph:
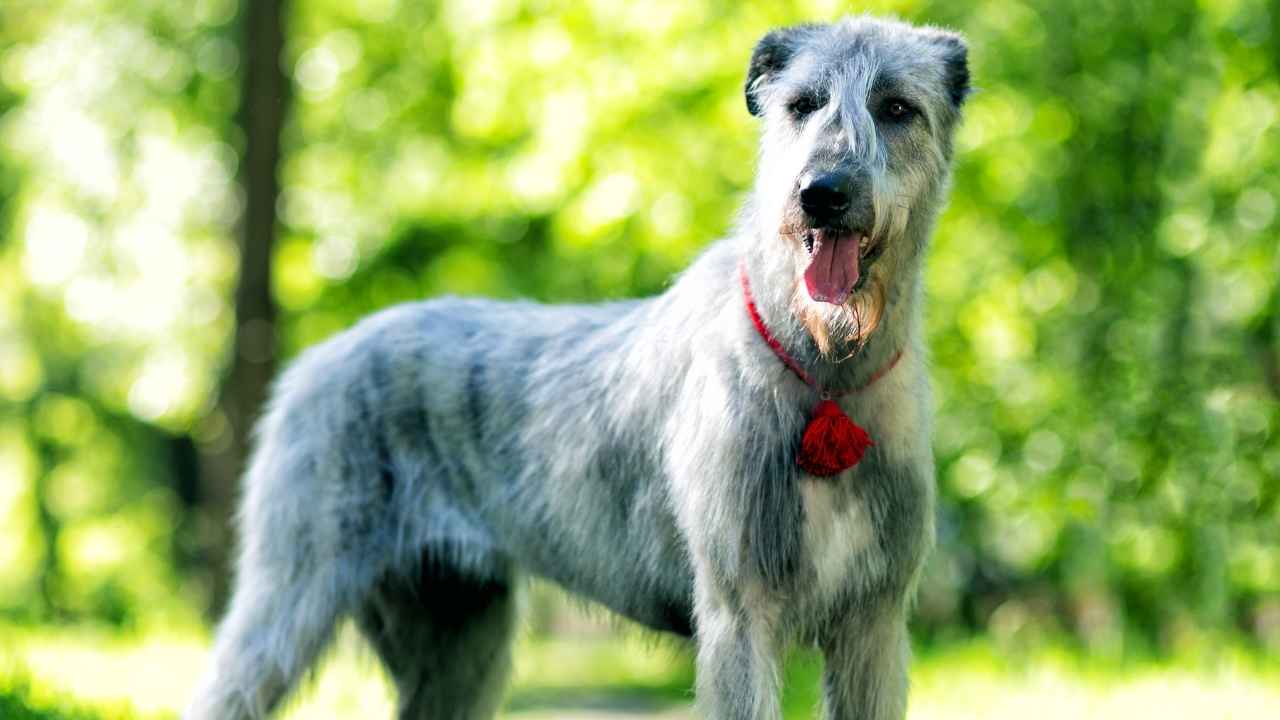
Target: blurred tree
[{"x": 264, "y": 98}]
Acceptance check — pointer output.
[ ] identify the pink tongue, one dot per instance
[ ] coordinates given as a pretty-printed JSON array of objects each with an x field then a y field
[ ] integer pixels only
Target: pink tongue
[{"x": 833, "y": 268}]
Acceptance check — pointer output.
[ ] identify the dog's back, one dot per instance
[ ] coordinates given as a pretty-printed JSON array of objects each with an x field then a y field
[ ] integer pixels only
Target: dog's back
[{"x": 436, "y": 446}]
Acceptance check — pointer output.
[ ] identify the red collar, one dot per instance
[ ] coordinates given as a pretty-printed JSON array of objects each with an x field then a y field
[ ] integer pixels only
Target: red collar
[{"x": 789, "y": 361}]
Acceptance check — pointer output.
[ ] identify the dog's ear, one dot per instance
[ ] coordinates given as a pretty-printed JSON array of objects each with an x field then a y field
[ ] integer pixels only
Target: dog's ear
[
  {"x": 771, "y": 55},
  {"x": 955, "y": 60}
]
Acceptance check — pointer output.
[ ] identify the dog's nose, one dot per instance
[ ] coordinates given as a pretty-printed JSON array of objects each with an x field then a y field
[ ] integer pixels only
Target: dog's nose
[{"x": 825, "y": 196}]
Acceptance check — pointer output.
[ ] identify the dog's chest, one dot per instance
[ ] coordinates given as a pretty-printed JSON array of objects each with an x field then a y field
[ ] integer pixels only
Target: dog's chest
[
  {"x": 844, "y": 541},
  {"x": 839, "y": 535}
]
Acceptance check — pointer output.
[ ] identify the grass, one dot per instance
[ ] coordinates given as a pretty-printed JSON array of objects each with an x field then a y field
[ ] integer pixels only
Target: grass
[
  {"x": 21, "y": 700},
  {"x": 78, "y": 674}
]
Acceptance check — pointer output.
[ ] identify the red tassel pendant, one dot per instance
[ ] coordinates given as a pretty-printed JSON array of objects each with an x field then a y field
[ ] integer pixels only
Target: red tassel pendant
[{"x": 832, "y": 443}]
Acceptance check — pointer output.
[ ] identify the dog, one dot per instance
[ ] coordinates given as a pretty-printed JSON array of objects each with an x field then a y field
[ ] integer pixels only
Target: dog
[{"x": 743, "y": 460}]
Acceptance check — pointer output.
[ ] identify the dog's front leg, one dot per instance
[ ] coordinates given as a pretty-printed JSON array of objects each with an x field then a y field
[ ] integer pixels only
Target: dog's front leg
[
  {"x": 865, "y": 674},
  {"x": 737, "y": 655}
]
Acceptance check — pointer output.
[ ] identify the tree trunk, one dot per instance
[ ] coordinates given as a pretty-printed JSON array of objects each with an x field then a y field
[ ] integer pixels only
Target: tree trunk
[{"x": 264, "y": 100}]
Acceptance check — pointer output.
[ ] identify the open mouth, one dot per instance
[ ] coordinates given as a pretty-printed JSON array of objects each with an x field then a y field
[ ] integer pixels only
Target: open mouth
[{"x": 837, "y": 260}]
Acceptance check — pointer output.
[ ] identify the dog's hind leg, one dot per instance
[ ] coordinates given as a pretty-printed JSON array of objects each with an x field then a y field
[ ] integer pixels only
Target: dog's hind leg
[
  {"x": 270, "y": 636},
  {"x": 445, "y": 638},
  {"x": 316, "y": 531},
  {"x": 292, "y": 586}
]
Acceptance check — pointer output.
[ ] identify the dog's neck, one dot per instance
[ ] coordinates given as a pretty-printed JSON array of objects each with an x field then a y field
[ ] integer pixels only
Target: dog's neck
[{"x": 849, "y": 362}]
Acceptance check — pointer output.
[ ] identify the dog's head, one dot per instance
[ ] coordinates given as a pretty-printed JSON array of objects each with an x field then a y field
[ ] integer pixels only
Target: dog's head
[{"x": 855, "y": 158}]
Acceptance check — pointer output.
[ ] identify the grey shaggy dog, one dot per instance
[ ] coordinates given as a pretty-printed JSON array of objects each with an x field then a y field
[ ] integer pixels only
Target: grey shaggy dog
[{"x": 641, "y": 454}]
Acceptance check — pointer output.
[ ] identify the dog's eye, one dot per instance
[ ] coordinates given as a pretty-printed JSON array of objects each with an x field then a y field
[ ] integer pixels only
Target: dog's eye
[
  {"x": 805, "y": 105},
  {"x": 897, "y": 110}
]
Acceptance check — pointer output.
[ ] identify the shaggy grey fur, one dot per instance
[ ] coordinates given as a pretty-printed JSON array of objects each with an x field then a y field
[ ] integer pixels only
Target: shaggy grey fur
[{"x": 641, "y": 454}]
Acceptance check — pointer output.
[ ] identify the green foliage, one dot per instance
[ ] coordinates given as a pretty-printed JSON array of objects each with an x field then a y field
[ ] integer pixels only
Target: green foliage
[
  {"x": 1104, "y": 316},
  {"x": 17, "y": 702}
]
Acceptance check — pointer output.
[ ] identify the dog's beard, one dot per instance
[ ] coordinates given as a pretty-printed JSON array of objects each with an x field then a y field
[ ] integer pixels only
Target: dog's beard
[{"x": 841, "y": 329}]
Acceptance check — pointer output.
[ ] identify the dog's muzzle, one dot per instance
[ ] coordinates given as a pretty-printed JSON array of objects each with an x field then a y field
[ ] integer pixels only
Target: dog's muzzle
[
  {"x": 838, "y": 241},
  {"x": 825, "y": 197}
]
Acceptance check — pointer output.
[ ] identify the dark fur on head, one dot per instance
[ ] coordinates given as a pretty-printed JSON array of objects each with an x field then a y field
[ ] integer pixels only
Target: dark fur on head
[
  {"x": 957, "y": 61},
  {"x": 770, "y": 55}
]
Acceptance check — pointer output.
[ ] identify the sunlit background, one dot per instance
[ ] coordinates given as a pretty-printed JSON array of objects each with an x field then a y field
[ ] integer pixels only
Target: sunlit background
[{"x": 1104, "y": 316}]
